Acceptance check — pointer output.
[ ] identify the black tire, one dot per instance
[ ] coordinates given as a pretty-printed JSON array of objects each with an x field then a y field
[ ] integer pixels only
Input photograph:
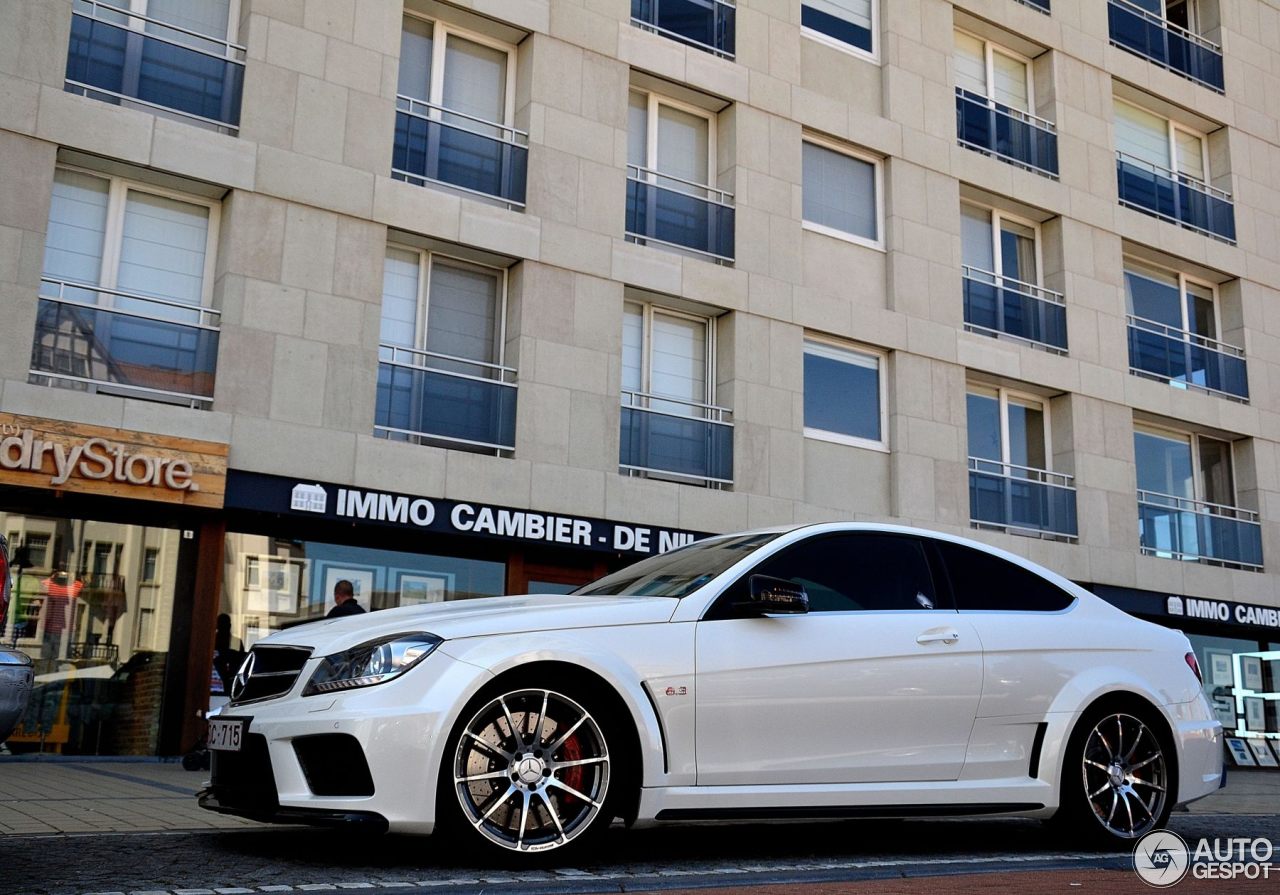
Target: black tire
[
  {"x": 1119, "y": 776},
  {"x": 528, "y": 771}
]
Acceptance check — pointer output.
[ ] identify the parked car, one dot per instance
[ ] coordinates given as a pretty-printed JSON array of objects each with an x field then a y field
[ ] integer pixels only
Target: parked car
[
  {"x": 822, "y": 670},
  {"x": 15, "y": 666}
]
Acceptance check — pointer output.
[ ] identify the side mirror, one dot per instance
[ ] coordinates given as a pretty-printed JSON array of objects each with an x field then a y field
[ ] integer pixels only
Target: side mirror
[{"x": 774, "y": 596}]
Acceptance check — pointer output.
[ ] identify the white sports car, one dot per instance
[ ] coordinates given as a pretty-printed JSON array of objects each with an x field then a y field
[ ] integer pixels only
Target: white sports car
[{"x": 821, "y": 671}]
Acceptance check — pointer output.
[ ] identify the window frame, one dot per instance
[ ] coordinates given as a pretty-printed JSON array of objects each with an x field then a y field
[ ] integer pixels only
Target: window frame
[
  {"x": 648, "y": 310},
  {"x": 989, "y": 49},
  {"x": 1184, "y": 279},
  {"x": 831, "y": 348},
  {"x": 132, "y": 8},
  {"x": 426, "y": 262},
  {"x": 118, "y": 189},
  {"x": 1171, "y": 433},
  {"x": 440, "y": 33},
  {"x": 996, "y": 216},
  {"x": 877, "y": 164},
  {"x": 836, "y": 44},
  {"x": 649, "y": 172},
  {"x": 1172, "y": 128},
  {"x": 1003, "y": 397}
]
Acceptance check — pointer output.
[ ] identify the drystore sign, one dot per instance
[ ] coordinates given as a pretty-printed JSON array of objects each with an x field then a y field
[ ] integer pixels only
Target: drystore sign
[{"x": 39, "y": 453}]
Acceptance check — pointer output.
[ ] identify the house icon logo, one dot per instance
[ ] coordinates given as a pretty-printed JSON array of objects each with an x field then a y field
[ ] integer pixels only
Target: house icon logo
[{"x": 309, "y": 498}]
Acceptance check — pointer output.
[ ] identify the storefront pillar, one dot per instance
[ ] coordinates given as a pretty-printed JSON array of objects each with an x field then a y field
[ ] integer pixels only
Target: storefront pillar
[{"x": 206, "y": 591}]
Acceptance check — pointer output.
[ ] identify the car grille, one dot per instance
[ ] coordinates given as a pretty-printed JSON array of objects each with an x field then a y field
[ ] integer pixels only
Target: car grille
[
  {"x": 273, "y": 672},
  {"x": 334, "y": 764},
  {"x": 243, "y": 780}
]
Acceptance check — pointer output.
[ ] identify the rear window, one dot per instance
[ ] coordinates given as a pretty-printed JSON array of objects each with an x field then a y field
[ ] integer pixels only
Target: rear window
[{"x": 981, "y": 581}]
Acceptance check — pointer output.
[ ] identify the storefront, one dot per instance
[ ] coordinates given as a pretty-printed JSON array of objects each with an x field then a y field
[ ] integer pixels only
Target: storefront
[{"x": 1238, "y": 648}]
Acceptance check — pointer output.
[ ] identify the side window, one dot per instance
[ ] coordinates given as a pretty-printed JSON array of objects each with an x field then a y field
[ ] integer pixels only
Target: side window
[
  {"x": 851, "y": 573},
  {"x": 981, "y": 581}
]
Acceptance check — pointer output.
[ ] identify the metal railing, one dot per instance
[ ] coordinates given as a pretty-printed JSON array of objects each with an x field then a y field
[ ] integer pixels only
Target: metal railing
[
  {"x": 121, "y": 63},
  {"x": 1007, "y": 133},
  {"x": 1170, "y": 46},
  {"x": 690, "y": 440},
  {"x": 1000, "y": 305},
  {"x": 1175, "y": 197},
  {"x": 705, "y": 24},
  {"x": 1182, "y": 528},
  {"x": 434, "y": 144},
  {"x": 669, "y": 210},
  {"x": 1022, "y": 498},
  {"x": 425, "y": 395},
  {"x": 1167, "y": 353},
  {"x": 124, "y": 343}
]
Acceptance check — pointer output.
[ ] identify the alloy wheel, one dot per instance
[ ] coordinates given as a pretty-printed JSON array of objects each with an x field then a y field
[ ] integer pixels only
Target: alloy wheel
[
  {"x": 1125, "y": 775},
  {"x": 531, "y": 770}
]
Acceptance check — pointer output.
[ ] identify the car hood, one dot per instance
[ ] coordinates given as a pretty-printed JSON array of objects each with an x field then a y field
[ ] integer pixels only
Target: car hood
[{"x": 479, "y": 617}]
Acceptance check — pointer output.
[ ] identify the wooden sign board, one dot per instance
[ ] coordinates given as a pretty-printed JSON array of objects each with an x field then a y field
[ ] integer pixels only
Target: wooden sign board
[{"x": 40, "y": 453}]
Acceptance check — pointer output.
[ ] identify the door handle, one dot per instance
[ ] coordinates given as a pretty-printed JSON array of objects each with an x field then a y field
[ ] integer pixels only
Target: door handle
[{"x": 938, "y": 636}]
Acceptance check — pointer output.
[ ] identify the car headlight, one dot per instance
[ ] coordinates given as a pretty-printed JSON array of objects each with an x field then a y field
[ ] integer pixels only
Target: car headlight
[{"x": 375, "y": 662}]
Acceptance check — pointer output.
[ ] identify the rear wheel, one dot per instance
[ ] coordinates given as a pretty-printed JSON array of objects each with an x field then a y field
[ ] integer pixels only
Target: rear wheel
[
  {"x": 1117, "y": 779},
  {"x": 530, "y": 771}
]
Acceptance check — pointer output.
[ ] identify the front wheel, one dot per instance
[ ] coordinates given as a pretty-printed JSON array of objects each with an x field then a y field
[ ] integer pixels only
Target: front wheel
[
  {"x": 1117, "y": 780},
  {"x": 530, "y": 771}
]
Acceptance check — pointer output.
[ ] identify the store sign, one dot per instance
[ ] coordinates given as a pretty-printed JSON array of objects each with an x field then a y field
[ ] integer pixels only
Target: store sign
[
  {"x": 1224, "y": 612},
  {"x": 252, "y": 491},
  {"x": 66, "y": 456}
]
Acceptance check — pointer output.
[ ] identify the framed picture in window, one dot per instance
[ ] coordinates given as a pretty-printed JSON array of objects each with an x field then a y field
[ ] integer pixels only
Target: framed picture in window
[
  {"x": 1255, "y": 713},
  {"x": 416, "y": 588},
  {"x": 1240, "y": 753},
  {"x": 1251, "y": 672},
  {"x": 1219, "y": 664},
  {"x": 1262, "y": 753}
]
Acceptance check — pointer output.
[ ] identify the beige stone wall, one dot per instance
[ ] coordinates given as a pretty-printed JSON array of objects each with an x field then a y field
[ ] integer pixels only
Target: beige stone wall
[{"x": 308, "y": 202}]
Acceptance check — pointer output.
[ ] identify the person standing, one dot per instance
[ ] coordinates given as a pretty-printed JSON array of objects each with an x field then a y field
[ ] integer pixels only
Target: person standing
[{"x": 344, "y": 598}]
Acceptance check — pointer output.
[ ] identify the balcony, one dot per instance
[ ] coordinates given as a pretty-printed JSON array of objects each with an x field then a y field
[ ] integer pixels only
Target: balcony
[
  {"x": 1019, "y": 138},
  {"x": 1166, "y": 44},
  {"x": 483, "y": 158},
  {"x": 1198, "y": 531},
  {"x": 1186, "y": 359},
  {"x": 120, "y": 343},
  {"x": 670, "y": 211},
  {"x": 1000, "y": 306},
  {"x": 683, "y": 440},
  {"x": 1175, "y": 198},
  {"x": 154, "y": 65},
  {"x": 1041, "y": 5},
  {"x": 1020, "y": 499},
  {"x": 705, "y": 24},
  {"x": 428, "y": 397}
]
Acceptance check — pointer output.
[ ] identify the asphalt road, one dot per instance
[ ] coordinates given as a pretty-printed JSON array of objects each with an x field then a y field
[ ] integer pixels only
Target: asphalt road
[{"x": 794, "y": 856}]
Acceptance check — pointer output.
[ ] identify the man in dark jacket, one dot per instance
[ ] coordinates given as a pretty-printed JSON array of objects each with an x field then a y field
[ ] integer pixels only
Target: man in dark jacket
[{"x": 344, "y": 598}]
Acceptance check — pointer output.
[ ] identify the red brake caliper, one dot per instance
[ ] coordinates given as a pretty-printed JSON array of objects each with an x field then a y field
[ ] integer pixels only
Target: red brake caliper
[{"x": 571, "y": 751}]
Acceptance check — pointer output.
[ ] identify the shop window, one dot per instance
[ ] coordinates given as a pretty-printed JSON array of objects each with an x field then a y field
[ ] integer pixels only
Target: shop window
[
  {"x": 844, "y": 394},
  {"x": 842, "y": 192},
  {"x": 125, "y": 297},
  {"x": 441, "y": 377},
  {"x": 848, "y": 25}
]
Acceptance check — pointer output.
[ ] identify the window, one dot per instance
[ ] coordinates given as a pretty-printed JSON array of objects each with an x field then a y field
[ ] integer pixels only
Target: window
[
  {"x": 150, "y": 560},
  {"x": 1008, "y": 429},
  {"x": 667, "y": 354},
  {"x": 841, "y": 193},
  {"x": 994, "y": 72},
  {"x": 1172, "y": 299},
  {"x": 981, "y": 582},
  {"x": 37, "y": 547},
  {"x": 1161, "y": 142},
  {"x": 467, "y": 78},
  {"x": 845, "y": 24},
  {"x": 1182, "y": 465},
  {"x": 851, "y": 572},
  {"x": 844, "y": 394},
  {"x": 143, "y": 258}
]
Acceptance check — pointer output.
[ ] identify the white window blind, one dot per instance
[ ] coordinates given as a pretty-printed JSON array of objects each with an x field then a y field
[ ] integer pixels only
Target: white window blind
[
  {"x": 400, "y": 298},
  {"x": 462, "y": 311},
  {"x": 971, "y": 64},
  {"x": 77, "y": 222},
  {"x": 839, "y": 191},
  {"x": 162, "y": 248},
  {"x": 475, "y": 80},
  {"x": 1142, "y": 134},
  {"x": 416, "y": 46}
]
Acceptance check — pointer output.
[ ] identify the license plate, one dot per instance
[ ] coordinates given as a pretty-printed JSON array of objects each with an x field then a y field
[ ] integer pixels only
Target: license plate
[{"x": 226, "y": 734}]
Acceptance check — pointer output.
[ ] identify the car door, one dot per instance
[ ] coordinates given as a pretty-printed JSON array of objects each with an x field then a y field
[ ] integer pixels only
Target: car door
[{"x": 878, "y": 682}]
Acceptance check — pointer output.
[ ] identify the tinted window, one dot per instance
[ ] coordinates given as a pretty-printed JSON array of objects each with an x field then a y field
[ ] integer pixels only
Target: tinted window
[
  {"x": 677, "y": 572},
  {"x": 852, "y": 572},
  {"x": 982, "y": 581}
]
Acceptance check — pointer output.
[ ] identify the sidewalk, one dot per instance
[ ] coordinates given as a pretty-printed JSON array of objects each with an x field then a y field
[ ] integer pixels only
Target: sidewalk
[{"x": 51, "y": 797}]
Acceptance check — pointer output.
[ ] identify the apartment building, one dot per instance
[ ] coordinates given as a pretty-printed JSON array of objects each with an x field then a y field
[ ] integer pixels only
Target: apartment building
[{"x": 451, "y": 299}]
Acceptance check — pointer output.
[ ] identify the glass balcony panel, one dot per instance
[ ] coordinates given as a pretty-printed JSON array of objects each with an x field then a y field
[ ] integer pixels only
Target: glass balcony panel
[
  {"x": 994, "y": 128},
  {"x": 704, "y": 23},
  {"x": 1000, "y": 306},
  {"x": 1178, "y": 528},
  {"x": 1146, "y": 34},
  {"x": 1194, "y": 205},
  {"x": 459, "y": 155},
  {"x": 138, "y": 347},
  {"x": 653, "y": 441},
  {"x": 116, "y": 63},
  {"x": 416, "y": 401},
  {"x": 1007, "y": 496},
  {"x": 679, "y": 217},
  {"x": 1159, "y": 351}
]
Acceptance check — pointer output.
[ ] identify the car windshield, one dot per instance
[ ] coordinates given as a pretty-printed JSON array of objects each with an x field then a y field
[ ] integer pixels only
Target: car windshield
[{"x": 677, "y": 572}]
